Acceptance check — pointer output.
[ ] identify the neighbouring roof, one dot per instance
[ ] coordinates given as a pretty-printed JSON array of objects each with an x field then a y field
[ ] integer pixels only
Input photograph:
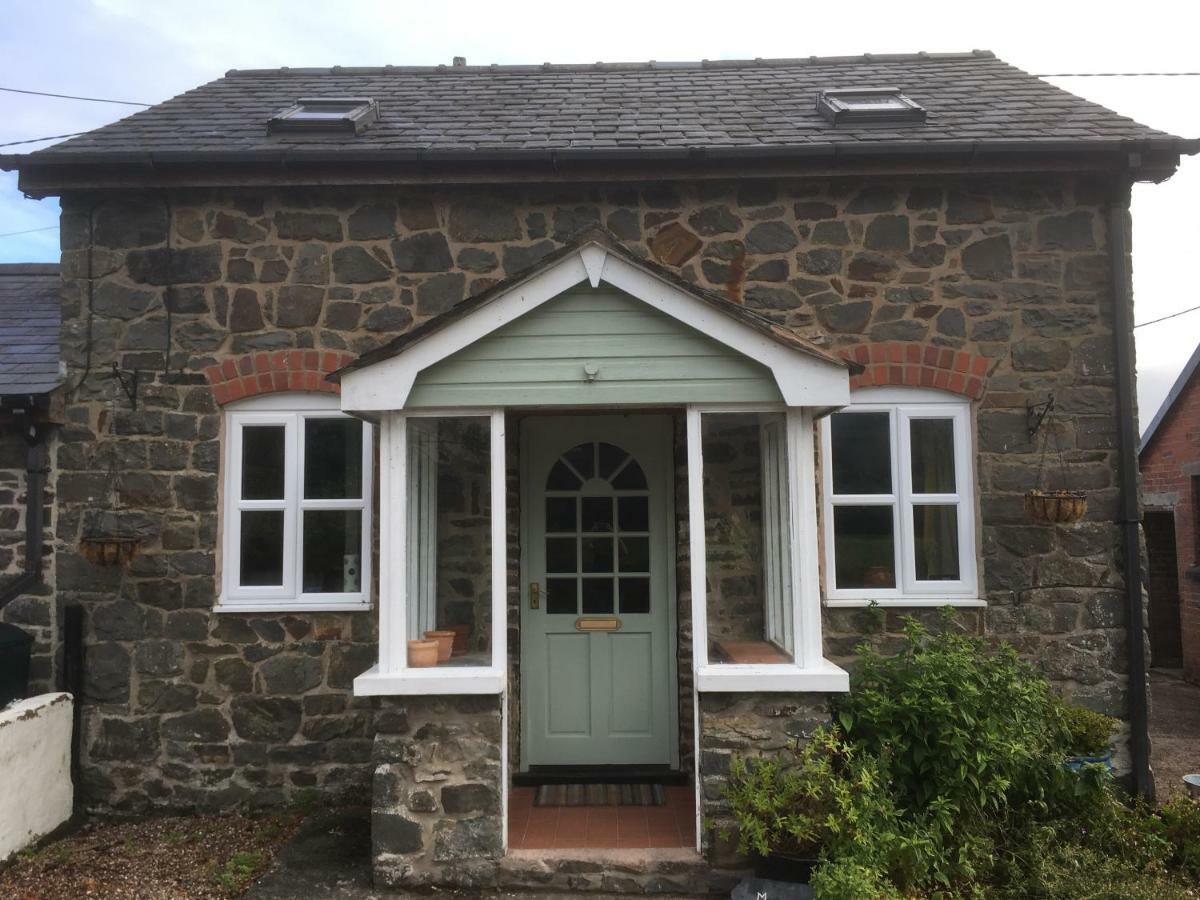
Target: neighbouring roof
[
  {"x": 710, "y": 109},
  {"x": 1189, "y": 369},
  {"x": 773, "y": 330},
  {"x": 29, "y": 323}
]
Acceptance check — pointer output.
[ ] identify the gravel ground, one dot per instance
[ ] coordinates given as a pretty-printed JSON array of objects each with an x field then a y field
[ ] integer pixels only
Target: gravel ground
[
  {"x": 192, "y": 857},
  {"x": 1174, "y": 731}
]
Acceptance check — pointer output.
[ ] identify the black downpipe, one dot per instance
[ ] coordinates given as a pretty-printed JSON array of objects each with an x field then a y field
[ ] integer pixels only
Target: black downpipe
[{"x": 1130, "y": 513}]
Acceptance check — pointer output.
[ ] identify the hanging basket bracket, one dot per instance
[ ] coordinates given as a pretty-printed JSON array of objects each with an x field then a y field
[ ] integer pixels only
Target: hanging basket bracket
[{"x": 1035, "y": 415}]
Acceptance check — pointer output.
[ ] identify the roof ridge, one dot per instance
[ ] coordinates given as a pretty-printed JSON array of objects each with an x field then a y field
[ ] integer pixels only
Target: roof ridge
[{"x": 642, "y": 66}]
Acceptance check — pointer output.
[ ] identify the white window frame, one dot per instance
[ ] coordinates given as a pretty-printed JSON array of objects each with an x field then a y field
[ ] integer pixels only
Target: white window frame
[
  {"x": 391, "y": 675},
  {"x": 903, "y": 405},
  {"x": 289, "y": 410},
  {"x": 809, "y": 671}
]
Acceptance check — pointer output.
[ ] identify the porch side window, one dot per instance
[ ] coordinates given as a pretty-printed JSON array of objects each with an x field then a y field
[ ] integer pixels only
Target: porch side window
[
  {"x": 449, "y": 536},
  {"x": 297, "y": 505},
  {"x": 748, "y": 538},
  {"x": 899, "y": 499}
]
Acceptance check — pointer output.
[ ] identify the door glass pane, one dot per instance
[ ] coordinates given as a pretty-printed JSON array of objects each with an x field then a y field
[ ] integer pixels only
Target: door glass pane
[
  {"x": 747, "y": 538},
  {"x": 861, "y": 453},
  {"x": 449, "y": 531},
  {"x": 633, "y": 554},
  {"x": 630, "y": 478},
  {"x": 935, "y": 535},
  {"x": 597, "y": 596},
  {"x": 561, "y": 596},
  {"x": 864, "y": 546},
  {"x": 332, "y": 542},
  {"x": 597, "y": 554},
  {"x": 633, "y": 513},
  {"x": 262, "y": 462},
  {"x": 261, "y": 550},
  {"x": 582, "y": 459},
  {"x": 333, "y": 458},
  {"x": 560, "y": 514},
  {"x": 597, "y": 514},
  {"x": 610, "y": 458},
  {"x": 635, "y": 595},
  {"x": 932, "y": 456},
  {"x": 562, "y": 479},
  {"x": 560, "y": 555}
]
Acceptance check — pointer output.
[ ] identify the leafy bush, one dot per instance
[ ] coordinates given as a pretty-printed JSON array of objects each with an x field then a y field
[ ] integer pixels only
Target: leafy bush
[
  {"x": 1085, "y": 732},
  {"x": 1181, "y": 826}
]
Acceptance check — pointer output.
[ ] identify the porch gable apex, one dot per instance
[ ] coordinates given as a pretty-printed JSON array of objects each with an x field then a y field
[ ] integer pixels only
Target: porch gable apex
[{"x": 383, "y": 379}]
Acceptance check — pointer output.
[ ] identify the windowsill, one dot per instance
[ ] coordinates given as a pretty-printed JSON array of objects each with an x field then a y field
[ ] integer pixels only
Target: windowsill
[
  {"x": 289, "y": 606},
  {"x": 433, "y": 680},
  {"x": 912, "y": 602},
  {"x": 823, "y": 678}
]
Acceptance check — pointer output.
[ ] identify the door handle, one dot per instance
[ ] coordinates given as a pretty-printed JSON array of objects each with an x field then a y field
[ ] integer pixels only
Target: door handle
[{"x": 535, "y": 595}]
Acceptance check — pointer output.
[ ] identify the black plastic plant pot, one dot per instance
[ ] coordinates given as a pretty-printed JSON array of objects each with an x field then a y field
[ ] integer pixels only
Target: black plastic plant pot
[
  {"x": 780, "y": 867},
  {"x": 15, "y": 645}
]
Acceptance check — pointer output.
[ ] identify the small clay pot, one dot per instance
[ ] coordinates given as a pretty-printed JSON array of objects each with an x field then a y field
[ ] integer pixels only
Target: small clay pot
[
  {"x": 422, "y": 654},
  {"x": 461, "y": 635},
  {"x": 445, "y": 642}
]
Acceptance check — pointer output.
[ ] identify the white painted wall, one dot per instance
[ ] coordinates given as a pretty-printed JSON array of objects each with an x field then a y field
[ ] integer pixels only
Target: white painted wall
[{"x": 35, "y": 769}]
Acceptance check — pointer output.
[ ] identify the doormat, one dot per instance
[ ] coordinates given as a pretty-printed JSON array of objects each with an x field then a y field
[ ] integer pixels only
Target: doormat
[{"x": 600, "y": 795}]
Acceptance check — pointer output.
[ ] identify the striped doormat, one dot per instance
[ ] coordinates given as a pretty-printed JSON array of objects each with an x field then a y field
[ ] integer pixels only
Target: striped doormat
[{"x": 600, "y": 795}]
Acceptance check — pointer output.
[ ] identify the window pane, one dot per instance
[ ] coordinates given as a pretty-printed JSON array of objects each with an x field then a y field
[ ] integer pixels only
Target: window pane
[
  {"x": 333, "y": 458},
  {"x": 861, "y": 453},
  {"x": 635, "y": 595},
  {"x": 597, "y": 554},
  {"x": 864, "y": 546},
  {"x": 634, "y": 554},
  {"x": 450, "y": 534},
  {"x": 932, "y": 456},
  {"x": 597, "y": 596},
  {"x": 561, "y": 596},
  {"x": 332, "y": 543},
  {"x": 560, "y": 514},
  {"x": 560, "y": 555},
  {"x": 746, "y": 535},
  {"x": 262, "y": 548},
  {"x": 597, "y": 514},
  {"x": 262, "y": 462},
  {"x": 633, "y": 513},
  {"x": 935, "y": 535}
]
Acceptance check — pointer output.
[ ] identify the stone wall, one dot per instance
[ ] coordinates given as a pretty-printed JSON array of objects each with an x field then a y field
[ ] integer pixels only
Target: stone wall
[
  {"x": 34, "y": 611},
  {"x": 184, "y": 707}
]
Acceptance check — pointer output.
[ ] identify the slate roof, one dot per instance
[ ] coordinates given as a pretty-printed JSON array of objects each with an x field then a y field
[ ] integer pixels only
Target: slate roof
[
  {"x": 1181, "y": 383},
  {"x": 605, "y": 238},
  {"x": 30, "y": 309},
  {"x": 710, "y": 108}
]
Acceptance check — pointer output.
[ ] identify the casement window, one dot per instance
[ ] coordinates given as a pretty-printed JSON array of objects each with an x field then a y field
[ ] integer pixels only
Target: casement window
[
  {"x": 899, "y": 511},
  {"x": 296, "y": 506}
]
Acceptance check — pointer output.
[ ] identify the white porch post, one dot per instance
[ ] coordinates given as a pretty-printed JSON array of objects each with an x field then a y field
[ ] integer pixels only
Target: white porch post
[{"x": 698, "y": 564}]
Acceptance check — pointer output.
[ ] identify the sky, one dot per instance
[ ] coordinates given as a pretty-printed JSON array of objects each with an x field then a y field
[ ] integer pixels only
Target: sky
[{"x": 151, "y": 50}]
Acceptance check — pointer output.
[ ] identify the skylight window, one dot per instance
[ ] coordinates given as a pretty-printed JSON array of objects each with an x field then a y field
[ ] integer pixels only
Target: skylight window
[
  {"x": 348, "y": 114},
  {"x": 869, "y": 106}
]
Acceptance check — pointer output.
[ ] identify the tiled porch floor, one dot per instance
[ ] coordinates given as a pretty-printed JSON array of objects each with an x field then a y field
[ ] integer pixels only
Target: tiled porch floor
[{"x": 601, "y": 827}]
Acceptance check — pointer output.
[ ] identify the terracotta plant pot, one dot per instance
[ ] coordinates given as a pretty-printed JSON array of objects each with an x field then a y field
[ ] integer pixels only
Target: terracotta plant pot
[
  {"x": 1055, "y": 507},
  {"x": 445, "y": 642},
  {"x": 462, "y": 635},
  {"x": 422, "y": 654}
]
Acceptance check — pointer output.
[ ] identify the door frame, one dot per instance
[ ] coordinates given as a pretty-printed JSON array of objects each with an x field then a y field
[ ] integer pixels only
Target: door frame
[{"x": 668, "y": 477}]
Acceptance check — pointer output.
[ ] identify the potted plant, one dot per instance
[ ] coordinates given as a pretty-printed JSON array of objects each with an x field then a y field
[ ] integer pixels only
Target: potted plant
[
  {"x": 1086, "y": 736},
  {"x": 1060, "y": 507}
]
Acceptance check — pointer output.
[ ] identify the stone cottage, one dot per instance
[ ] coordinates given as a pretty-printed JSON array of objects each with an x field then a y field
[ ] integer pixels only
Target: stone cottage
[
  {"x": 651, "y": 390},
  {"x": 1170, "y": 465}
]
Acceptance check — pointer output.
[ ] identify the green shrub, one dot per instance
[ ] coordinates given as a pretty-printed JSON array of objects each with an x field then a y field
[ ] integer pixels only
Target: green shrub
[
  {"x": 1181, "y": 826},
  {"x": 1084, "y": 732},
  {"x": 850, "y": 880}
]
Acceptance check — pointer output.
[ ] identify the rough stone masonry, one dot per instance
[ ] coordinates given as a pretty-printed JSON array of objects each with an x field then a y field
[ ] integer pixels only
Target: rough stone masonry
[{"x": 187, "y": 708}]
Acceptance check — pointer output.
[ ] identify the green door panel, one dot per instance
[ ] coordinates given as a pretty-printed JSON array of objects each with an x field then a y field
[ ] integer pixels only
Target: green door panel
[
  {"x": 596, "y": 539},
  {"x": 637, "y": 354}
]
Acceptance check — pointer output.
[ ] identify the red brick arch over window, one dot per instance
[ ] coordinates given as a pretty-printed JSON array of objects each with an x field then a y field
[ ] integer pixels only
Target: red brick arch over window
[
  {"x": 919, "y": 365},
  {"x": 280, "y": 370}
]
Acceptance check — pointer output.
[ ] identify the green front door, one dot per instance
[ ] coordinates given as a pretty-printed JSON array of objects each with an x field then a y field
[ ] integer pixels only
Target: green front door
[{"x": 596, "y": 644}]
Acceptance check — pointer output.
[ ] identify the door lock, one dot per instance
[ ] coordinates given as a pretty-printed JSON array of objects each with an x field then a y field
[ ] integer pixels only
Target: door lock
[{"x": 535, "y": 595}]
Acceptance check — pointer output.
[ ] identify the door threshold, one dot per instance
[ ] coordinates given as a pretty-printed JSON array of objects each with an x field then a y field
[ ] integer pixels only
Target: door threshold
[{"x": 538, "y": 775}]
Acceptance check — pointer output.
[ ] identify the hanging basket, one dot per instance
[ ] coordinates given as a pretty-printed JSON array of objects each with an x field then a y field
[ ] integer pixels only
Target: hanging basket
[
  {"x": 1055, "y": 507},
  {"x": 109, "y": 551}
]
